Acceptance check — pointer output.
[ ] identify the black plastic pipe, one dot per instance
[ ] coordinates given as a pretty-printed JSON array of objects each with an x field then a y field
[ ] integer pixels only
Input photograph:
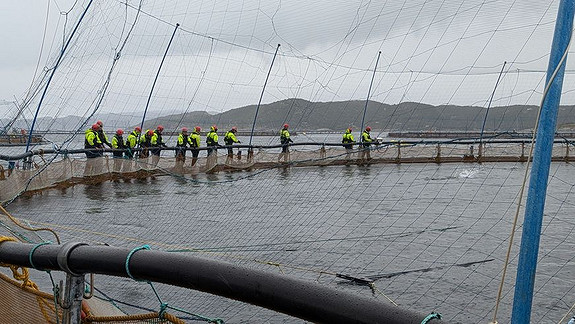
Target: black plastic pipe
[{"x": 306, "y": 300}]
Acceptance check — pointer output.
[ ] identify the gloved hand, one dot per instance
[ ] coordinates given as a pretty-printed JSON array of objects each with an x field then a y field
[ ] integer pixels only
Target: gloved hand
[{"x": 239, "y": 142}]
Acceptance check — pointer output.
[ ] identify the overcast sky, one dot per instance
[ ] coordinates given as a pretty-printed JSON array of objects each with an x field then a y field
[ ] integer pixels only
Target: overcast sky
[{"x": 433, "y": 51}]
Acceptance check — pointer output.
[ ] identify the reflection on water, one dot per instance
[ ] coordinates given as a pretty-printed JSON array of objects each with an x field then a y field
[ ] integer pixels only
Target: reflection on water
[{"x": 95, "y": 192}]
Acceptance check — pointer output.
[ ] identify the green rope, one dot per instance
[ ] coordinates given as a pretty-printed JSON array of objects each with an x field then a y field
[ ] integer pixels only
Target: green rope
[
  {"x": 32, "y": 252},
  {"x": 207, "y": 319},
  {"x": 164, "y": 306},
  {"x": 143, "y": 247},
  {"x": 432, "y": 315}
]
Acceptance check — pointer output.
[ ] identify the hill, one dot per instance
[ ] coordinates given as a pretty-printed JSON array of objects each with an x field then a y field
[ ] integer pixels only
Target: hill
[{"x": 304, "y": 115}]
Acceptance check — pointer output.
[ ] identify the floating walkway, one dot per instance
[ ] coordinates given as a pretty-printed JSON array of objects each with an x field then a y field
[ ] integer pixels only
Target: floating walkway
[{"x": 43, "y": 169}]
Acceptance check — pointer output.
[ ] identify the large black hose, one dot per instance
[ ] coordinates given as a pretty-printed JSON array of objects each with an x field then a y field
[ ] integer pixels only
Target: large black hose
[{"x": 306, "y": 300}]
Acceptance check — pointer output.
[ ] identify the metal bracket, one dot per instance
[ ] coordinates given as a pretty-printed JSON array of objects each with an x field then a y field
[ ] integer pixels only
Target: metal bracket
[{"x": 64, "y": 254}]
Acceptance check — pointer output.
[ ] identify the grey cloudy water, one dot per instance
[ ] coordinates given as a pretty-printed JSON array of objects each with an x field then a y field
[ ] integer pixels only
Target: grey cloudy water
[{"x": 433, "y": 237}]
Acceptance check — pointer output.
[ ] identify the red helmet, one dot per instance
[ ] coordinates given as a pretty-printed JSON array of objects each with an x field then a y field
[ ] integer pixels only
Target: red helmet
[
  {"x": 138, "y": 129},
  {"x": 286, "y": 125},
  {"x": 198, "y": 128},
  {"x": 214, "y": 128},
  {"x": 150, "y": 132},
  {"x": 120, "y": 132},
  {"x": 234, "y": 129},
  {"x": 99, "y": 122},
  {"x": 95, "y": 127},
  {"x": 368, "y": 129},
  {"x": 160, "y": 128},
  {"x": 349, "y": 129},
  {"x": 184, "y": 129}
]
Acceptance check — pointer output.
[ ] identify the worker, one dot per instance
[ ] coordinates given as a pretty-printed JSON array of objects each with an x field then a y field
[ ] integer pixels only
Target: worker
[
  {"x": 230, "y": 139},
  {"x": 366, "y": 141},
  {"x": 348, "y": 141},
  {"x": 146, "y": 144},
  {"x": 284, "y": 140},
  {"x": 132, "y": 141},
  {"x": 194, "y": 140},
  {"x": 94, "y": 147},
  {"x": 157, "y": 143},
  {"x": 212, "y": 143},
  {"x": 131, "y": 144},
  {"x": 102, "y": 135},
  {"x": 181, "y": 145},
  {"x": 118, "y": 144}
]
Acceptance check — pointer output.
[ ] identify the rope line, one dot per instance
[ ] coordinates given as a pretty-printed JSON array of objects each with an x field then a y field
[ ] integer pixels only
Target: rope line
[
  {"x": 30, "y": 259},
  {"x": 127, "y": 266}
]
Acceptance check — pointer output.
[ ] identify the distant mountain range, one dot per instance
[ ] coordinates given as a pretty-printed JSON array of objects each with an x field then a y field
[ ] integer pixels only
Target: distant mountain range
[{"x": 303, "y": 115}]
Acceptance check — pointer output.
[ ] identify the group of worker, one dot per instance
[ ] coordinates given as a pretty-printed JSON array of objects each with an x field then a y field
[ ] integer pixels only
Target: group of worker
[
  {"x": 151, "y": 142},
  {"x": 366, "y": 142}
]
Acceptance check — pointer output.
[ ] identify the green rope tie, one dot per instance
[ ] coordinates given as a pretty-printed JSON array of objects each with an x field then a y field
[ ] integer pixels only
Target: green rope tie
[
  {"x": 432, "y": 315},
  {"x": 162, "y": 312},
  {"x": 201, "y": 317},
  {"x": 165, "y": 306},
  {"x": 143, "y": 247},
  {"x": 32, "y": 253}
]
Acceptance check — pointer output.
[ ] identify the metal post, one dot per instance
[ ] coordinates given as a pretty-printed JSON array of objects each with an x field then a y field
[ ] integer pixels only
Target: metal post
[
  {"x": 526, "y": 268},
  {"x": 489, "y": 105},
  {"x": 261, "y": 96},
  {"x": 367, "y": 99},
  {"x": 50, "y": 79},
  {"x": 522, "y": 150},
  {"x": 72, "y": 305},
  {"x": 156, "y": 79}
]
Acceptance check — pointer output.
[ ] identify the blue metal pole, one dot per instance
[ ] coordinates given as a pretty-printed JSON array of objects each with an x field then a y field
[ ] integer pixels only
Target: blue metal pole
[
  {"x": 534, "y": 207},
  {"x": 156, "y": 78},
  {"x": 262, "y": 95},
  {"x": 367, "y": 99},
  {"x": 489, "y": 105},
  {"x": 52, "y": 75}
]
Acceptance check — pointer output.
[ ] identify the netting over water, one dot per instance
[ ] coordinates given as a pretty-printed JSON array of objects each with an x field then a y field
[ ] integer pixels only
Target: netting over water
[{"x": 429, "y": 235}]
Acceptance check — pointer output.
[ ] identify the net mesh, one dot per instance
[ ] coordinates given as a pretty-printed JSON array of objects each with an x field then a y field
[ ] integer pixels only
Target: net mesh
[{"x": 402, "y": 225}]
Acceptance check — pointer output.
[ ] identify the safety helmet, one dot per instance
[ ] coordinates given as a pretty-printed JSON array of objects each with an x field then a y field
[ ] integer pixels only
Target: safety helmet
[
  {"x": 99, "y": 122},
  {"x": 120, "y": 132},
  {"x": 349, "y": 129},
  {"x": 150, "y": 132},
  {"x": 198, "y": 128},
  {"x": 234, "y": 129},
  {"x": 214, "y": 128},
  {"x": 138, "y": 129},
  {"x": 184, "y": 129},
  {"x": 160, "y": 128},
  {"x": 368, "y": 129},
  {"x": 95, "y": 127},
  {"x": 286, "y": 125}
]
